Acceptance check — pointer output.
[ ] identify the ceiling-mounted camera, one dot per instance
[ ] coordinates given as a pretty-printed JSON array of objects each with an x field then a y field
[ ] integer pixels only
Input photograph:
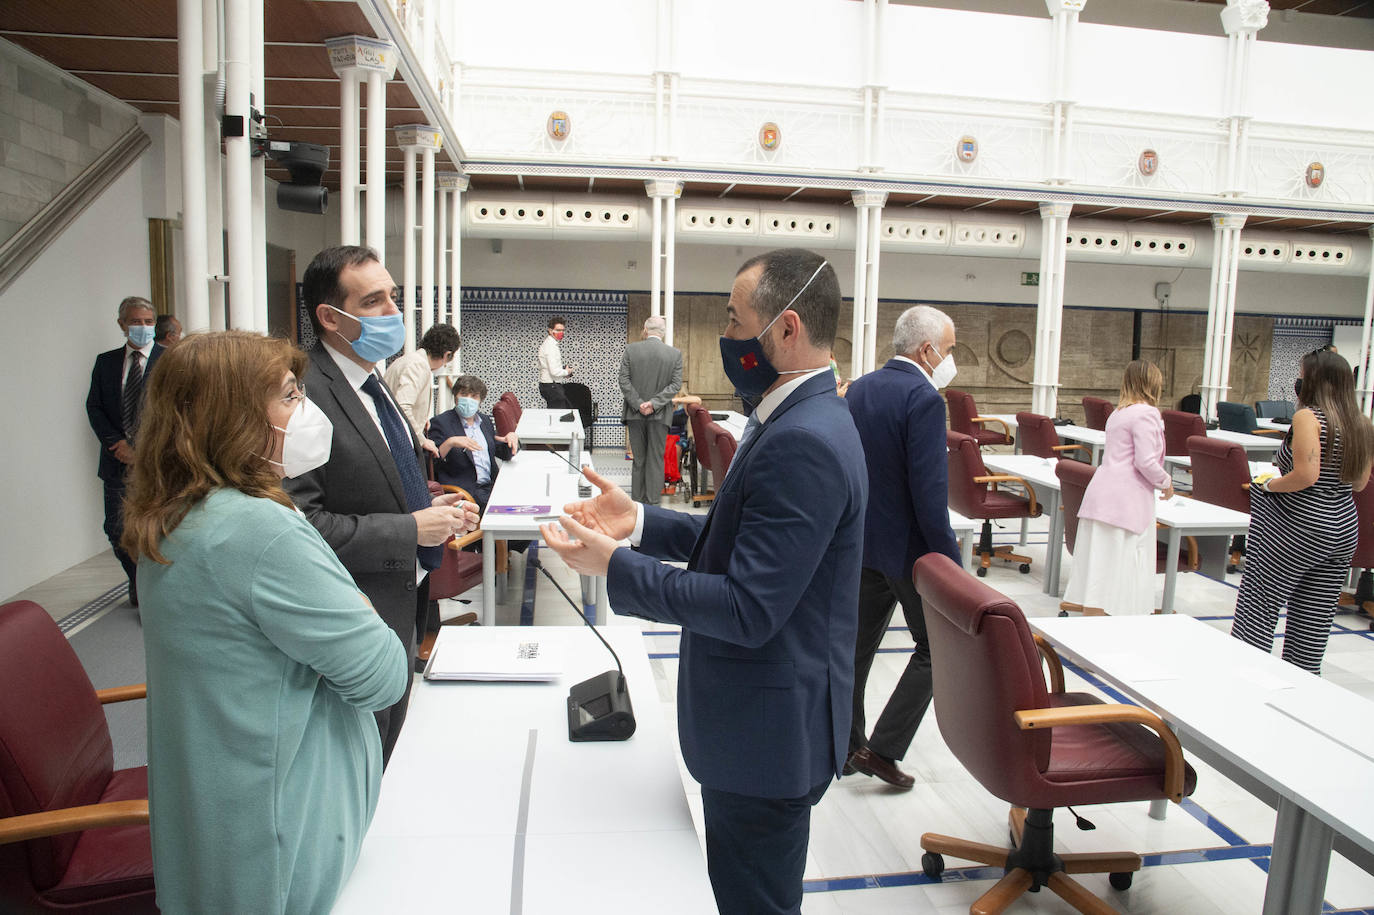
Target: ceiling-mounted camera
[{"x": 307, "y": 163}]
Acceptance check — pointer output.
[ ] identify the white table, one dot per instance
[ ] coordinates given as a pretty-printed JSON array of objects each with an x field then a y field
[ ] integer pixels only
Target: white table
[
  {"x": 1272, "y": 424},
  {"x": 1095, "y": 439},
  {"x": 1262, "y": 445},
  {"x": 1211, "y": 524},
  {"x": 1294, "y": 740},
  {"x": 536, "y": 484},
  {"x": 965, "y": 529},
  {"x": 1039, "y": 473},
  {"x": 1186, "y": 461},
  {"x": 547, "y": 427},
  {"x": 486, "y": 806},
  {"x": 732, "y": 423}
]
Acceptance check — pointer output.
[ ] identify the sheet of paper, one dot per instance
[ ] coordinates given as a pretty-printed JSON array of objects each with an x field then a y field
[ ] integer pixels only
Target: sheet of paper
[{"x": 519, "y": 656}]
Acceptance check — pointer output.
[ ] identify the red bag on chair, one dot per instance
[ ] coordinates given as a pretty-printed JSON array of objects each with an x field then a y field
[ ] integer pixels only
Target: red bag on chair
[{"x": 671, "y": 472}]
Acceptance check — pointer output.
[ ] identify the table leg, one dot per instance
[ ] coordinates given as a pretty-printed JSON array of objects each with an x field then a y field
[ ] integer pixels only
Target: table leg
[
  {"x": 1054, "y": 547},
  {"x": 1159, "y": 808},
  {"x": 1299, "y": 863},
  {"x": 588, "y": 596},
  {"x": 1170, "y": 570},
  {"x": 1097, "y": 455},
  {"x": 966, "y": 549},
  {"x": 603, "y": 600},
  {"x": 488, "y": 579}
]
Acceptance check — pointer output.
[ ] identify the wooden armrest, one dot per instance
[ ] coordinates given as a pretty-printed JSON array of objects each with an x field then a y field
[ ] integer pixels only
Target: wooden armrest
[
  {"x": 72, "y": 819},
  {"x": 1006, "y": 429},
  {"x": 1068, "y": 447},
  {"x": 1052, "y": 661},
  {"x": 122, "y": 693},
  {"x": 1245, "y": 486},
  {"x": 1109, "y": 713},
  {"x": 1267, "y": 432},
  {"x": 1190, "y": 544},
  {"x": 996, "y": 478},
  {"x": 457, "y": 543}
]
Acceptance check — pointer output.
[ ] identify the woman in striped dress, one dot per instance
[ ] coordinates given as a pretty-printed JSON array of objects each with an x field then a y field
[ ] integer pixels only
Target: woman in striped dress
[{"x": 1302, "y": 523}]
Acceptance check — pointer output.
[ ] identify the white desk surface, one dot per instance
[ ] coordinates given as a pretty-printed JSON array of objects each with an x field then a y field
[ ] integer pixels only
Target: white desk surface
[
  {"x": 1247, "y": 441},
  {"x": 1256, "y": 467},
  {"x": 732, "y": 423},
  {"x": 1195, "y": 516},
  {"x": 531, "y": 478},
  {"x": 607, "y": 826},
  {"x": 547, "y": 427},
  {"x": 1272, "y": 424},
  {"x": 1288, "y": 729},
  {"x": 1037, "y": 471}
]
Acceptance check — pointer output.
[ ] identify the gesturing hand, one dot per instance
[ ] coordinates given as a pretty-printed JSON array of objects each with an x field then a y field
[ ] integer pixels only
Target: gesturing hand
[
  {"x": 589, "y": 554},
  {"x": 612, "y": 513}
]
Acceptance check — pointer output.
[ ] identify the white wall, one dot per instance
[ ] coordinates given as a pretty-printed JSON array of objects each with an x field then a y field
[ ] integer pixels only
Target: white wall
[{"x": 63, "y": 309}]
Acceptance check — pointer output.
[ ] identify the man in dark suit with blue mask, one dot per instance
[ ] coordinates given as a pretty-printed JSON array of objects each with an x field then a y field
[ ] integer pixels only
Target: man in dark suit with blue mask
[
  {"x": 768, "y": 599},
  {"x": 900, "y": 416},
  {"x": 114, "y": 407}
]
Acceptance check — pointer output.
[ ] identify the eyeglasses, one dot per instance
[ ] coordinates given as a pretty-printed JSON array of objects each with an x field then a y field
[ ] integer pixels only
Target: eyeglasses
[{"x": 292, "y": 399}]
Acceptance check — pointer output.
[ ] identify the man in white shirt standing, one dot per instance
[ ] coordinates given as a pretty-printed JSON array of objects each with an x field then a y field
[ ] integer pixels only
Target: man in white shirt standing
[
  {"x": 411, "y": 378},
  {"x": 553, "y": 372}
]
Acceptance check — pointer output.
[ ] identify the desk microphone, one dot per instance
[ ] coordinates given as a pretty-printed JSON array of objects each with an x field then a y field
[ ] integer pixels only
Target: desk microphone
[
  {"x": 584, "y": 488},
  {"x": 598, "y": 708}
]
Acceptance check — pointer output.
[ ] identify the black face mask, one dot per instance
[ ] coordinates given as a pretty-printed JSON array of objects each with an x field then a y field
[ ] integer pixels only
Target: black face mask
[{"x": 1297, "y": 387}]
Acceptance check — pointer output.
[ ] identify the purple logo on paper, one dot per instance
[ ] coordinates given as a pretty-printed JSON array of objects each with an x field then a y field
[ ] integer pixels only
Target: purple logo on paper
[{"x": 518, "y": 509}]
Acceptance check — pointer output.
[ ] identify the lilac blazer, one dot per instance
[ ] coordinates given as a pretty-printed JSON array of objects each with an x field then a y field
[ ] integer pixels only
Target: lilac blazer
[{"x": 1122, "y": 492}]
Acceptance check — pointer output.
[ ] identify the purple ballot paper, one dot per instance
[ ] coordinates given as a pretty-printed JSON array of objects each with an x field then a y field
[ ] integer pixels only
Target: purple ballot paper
[{"x": 518, "y": 509}]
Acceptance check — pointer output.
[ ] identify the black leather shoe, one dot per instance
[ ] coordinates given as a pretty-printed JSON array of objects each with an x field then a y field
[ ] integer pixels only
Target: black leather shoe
[{"x": 869, "y": 763}]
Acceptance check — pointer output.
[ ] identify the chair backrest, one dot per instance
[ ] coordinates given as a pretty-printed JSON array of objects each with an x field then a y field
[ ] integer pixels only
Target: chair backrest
[
  {"x": 580, "y": 396},
  {"x": 699, "y": 419},
  {"x": 505, "y": 417},
  {"x": 1095, "y": 412},
  {"x": 965, "y": 462},
  {"x": 1190, "y": 403},
  {"x": 1236, "y": 417},
  {"x": 1274, "y": 409},
  {"x": 1364, "y": 512},
  {"x": 55, "y": 748},
  {"x": 985, "y": 668},
  {"x": 1220, "y": 472},
  {"x": 1037, "y": 435},
  {"x": 1074, "y": 477},
  {"x": 962, "y": 409},
  {"x": 510, "y": 398},
  {"x": 1178, "y": 426},
  {"x": 725, "y": 446}
]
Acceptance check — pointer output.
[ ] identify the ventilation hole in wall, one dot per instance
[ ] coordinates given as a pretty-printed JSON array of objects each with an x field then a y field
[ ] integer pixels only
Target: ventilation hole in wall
[
  {"x": 1182, "y": 245},
  {"x": 1154, "y": 245},
  {"x": 1097, "y": 242},
  {"x": 1311, "y": 253},
  {"x": 729, "y": 220},
  {"x": 1168, "y": 246},
  {"x": 692, "y": 220},
  {"x": 940, "y": 233},
  {"x": 1012, "y": 238},
  {"x": 792, "y": 225},
  {"x": 1137, "y": 243},
  {"x": 587, "y": 215},
  {"x": 1326, "y": 254},
  {"x": 567, "y": 214},
  {"x": 891, "y": 229},
  {"x": 827, "y": 227},
  {"x": 539, "y": 214},
  {"x": 748, "y": 221},
  {"x": 1083, "y": 240},
  {"x": 711, "y": 220},
  {"x": 1115, "y": 242},
  {"x": 501, "y": 213},
  {"x": 811, "y": 225},
  {"x": 776, "y": 223},
  {"x": 1249, "y": 251},
  {"x": 996, "y": 236},
  {"x": 1340, "y": 255},
  {"x": 483, "y": 212},
  {"x": 520, "y": 213},
  {"x": 923, "y": 232},
  {"x": 1297, "y": 252},
  {"x": 624, "y": 216},
  {"x": 1068, "y": 239}
]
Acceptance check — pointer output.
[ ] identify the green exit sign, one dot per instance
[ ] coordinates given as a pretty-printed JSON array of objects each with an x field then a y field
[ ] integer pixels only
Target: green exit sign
[{"x": 1030, "y": 279}]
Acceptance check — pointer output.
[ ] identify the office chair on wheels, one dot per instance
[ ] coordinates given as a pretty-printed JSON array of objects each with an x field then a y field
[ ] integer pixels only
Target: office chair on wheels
[{"x": 973, "y": 493}]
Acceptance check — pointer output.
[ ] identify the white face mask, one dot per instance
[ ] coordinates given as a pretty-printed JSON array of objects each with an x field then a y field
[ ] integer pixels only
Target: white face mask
[
  {"x": 943, "y": 374},
  {"x": 309, "y": 438}
]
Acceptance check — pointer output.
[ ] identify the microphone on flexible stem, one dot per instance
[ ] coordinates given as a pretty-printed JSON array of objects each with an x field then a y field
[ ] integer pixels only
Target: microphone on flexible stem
[
  {"x": 598, "y": 708},
  {"x": 584, "y": 488}
]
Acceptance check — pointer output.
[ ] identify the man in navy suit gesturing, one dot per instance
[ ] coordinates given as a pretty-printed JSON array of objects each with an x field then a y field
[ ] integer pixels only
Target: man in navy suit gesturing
[
  {"x": 768, "y": 599},
  {"x": 901, "y": 418}
]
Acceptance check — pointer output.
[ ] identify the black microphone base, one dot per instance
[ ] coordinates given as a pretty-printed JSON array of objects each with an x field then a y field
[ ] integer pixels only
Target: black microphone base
[{"x": 599, "y": 709}]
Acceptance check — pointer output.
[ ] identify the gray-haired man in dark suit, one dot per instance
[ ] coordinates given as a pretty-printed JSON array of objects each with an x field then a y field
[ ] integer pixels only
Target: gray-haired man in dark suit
[{"x": 650, "y": 374}]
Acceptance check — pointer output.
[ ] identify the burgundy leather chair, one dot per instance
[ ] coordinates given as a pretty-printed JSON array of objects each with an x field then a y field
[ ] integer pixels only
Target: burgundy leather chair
[
  {"x": 505, "y": 416},
  {"x": 1074, "y": 478},
  {"x": 1038, "y": 437},
  {"x": 698, "y": 418},
  {"x": 1178, "y": 426},
  {"x": 964, "y": 418},
  {"x": 1095, "y": 412},
  {"x": 58, "y": 782},
  {"x": 973, "y": 493},
  {"x": 1363, "y": 598},
  {"x": 459, "y": 570},
  {"x": 1221, "y": 476},
  {"x": 725, "y": 446},
  {"x": 1008, "y": 728}
]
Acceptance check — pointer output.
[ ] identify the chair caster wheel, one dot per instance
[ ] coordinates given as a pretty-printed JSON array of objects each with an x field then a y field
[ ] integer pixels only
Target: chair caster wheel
[
  {"x": 1120, "y": 880},
  {"x": 933, "y": 865},
  {"x": 1063, "y": 613},
  {"x": 1024, "y": 568},
  {"x": 982, "y": 572}
]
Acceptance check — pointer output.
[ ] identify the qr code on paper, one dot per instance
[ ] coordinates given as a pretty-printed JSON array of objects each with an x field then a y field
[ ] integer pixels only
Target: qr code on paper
[{"x": 527, "y": 651}]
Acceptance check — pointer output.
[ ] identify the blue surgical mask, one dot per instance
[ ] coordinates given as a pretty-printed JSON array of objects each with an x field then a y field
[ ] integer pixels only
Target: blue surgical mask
[
  {"x": 746, "y": 364},
  {"x": 382, "y": 336},
  {"x": 140, "y": 335},
  {"x": 467, "y": 407}
]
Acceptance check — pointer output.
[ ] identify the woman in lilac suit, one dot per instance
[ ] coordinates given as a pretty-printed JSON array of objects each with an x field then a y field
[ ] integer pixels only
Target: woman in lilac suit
[{"x": 1114, "y": 558}]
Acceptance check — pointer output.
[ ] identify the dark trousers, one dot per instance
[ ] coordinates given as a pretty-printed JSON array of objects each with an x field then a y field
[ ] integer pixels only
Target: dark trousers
[
  {"x": 756, "y": 849},
  {"x": 648, "y": 442},
  {"x": 114, "y": 526},
  {"x": 391, "y": 718},
  {"x": 554, "y": 396},
  {"x": 896, "y": 726}
]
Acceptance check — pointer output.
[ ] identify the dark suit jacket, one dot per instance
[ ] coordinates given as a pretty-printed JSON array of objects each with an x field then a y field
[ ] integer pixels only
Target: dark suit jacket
[
  {"x": 356, "y": 500},
  {"x": 901, "y": 421},
  {"x": 105, "y": 402},
  {"x": 768, "y": 602},
  {"x": 650, "y": 370},
  {"x": 458, "y": 468}
]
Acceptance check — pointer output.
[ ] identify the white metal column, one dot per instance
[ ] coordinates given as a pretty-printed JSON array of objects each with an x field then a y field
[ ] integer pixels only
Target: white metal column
[
  {"x": 376, "y": 161},
  {"x": 238, "y": 171},
  {"x": 1065, "y": 18},
  {"x": 355, "y": 58},
  {"x": 1049, "y": 315},
  {"x": 258, "y": 81},
  {"x": 868, "y": 210},
  {"x": 348, "y": 156},
  {"x": 413, "y": 139},
  {"x": 669, "y": 262},
  {"x": 857, "y": 347},
  {"x": 212, "y": 56},
  {"x": 1365, "y": 361},
  {"x": 1221, "y": 311},
  {"x": 663, "y": 196},
  {"x": 190, "y": 88},
  {"x": 1241, "y": 22},
  {"x": 408, "y": 247},
  {"x": 875, "y": 235},
  {"x": 460, "y": 185},
  {"x": 426, "y": 244}
]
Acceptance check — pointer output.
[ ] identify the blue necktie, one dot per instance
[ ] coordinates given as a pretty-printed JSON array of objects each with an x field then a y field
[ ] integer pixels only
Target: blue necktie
[
  {"x": 403, "y": 453},
  {"x": 750, "y": 428}
]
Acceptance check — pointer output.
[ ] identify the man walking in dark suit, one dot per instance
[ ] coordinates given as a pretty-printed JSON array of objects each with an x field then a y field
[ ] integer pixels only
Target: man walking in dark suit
[
  {"x": 369, "y": 501},
  {"x": 900, "y": 416},
  {"x": 114, "y": 407},
  {"x": 767, "y": 601},
  {"x": 650, "y": 374}
]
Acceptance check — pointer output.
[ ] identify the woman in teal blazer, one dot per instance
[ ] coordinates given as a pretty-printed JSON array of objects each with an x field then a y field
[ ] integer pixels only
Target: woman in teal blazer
[{"x": 264, "y": 660}]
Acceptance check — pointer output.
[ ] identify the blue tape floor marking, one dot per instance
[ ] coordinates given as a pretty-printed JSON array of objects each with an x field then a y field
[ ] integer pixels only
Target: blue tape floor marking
[{"x": 527, "y": 601}]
